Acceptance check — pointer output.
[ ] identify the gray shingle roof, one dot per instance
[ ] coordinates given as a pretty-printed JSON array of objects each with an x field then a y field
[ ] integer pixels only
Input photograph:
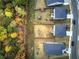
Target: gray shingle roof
[
  {"x": 54, "y": 2},
  {"x": 60, "y": 13},
  {"x": 60, "y": 30},
  {"x": 53, "y": 49}
]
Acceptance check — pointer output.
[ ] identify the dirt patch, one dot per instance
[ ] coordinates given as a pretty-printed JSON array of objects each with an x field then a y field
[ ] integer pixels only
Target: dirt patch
[
  {"x": 42, "y": 31},
  {"x": 40, "y": 4},
  {"x": 44, "y": 15}
]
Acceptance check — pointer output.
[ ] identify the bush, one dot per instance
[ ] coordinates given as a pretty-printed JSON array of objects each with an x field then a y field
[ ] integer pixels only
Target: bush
[
  {"x": 12, "y": 29},
  {"x": 2, "y": 57},
  {"x": 6, "y": 21}
]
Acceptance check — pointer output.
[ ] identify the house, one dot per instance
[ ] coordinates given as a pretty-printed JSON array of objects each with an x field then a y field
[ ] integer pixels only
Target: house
[
  {"x": 50, "y": 3},
  {"x": 59, "y": 30},
  {"x": 53, "y": 48},
  {"x": 59, "y": 13}
]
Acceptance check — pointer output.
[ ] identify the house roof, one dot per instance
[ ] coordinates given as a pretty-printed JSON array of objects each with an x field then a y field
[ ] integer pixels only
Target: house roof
[
  {"x": 54, "y": 2},
  {"x": 60, "y": 13},
  {"x": 53, "y": 49},
  {"x": 60, "y": 30}
]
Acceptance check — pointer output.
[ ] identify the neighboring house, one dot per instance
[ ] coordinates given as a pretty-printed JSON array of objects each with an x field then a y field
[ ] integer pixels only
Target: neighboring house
[
  {"x": 59, "y": 30},
  {"x": 54, "y": 48},
  {"x": 54, "y": 2},
  {"x": 59, "y": 13}
]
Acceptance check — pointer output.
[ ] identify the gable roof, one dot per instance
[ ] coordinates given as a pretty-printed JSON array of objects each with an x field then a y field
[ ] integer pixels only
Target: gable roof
[
  {"x": 60, "y": 30},
  {"x": 53, "y": 49},
  {"x": 60, "y": 13},
  {"x": 54, "y": 2}
]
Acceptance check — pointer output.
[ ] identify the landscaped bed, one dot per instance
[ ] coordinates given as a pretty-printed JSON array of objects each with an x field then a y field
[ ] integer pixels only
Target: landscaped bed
[{"x": 12, "y": 29}]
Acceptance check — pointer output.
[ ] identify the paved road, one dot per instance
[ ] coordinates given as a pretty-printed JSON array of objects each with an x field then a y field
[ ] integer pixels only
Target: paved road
[{"x": 75, "y": 28}]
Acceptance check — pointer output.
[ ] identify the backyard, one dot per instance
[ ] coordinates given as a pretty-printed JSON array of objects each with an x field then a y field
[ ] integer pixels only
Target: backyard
[{"x": 43, "y": 25}]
